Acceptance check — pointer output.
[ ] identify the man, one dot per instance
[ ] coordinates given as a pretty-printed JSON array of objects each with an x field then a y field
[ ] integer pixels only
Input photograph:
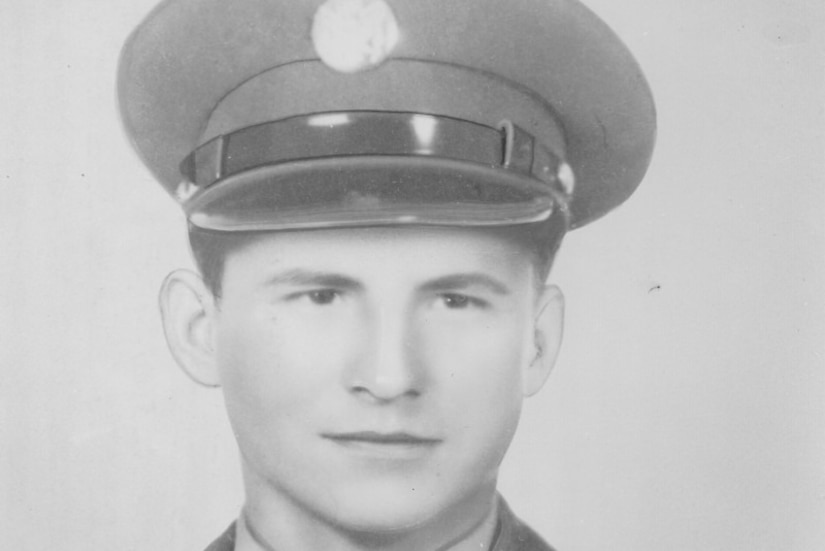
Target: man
[{"x": 375, "y": 190}]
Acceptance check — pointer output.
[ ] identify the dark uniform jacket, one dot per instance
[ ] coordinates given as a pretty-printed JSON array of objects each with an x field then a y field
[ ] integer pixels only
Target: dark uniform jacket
[{"x": 511, "y": 535}]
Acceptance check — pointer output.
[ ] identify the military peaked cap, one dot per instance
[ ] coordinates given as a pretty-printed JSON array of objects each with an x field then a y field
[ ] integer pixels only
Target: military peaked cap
[{"x": 284, "y": 114}]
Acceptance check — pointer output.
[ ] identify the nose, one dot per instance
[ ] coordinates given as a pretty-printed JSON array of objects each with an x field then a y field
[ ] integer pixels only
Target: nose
[{"x": 388, "y": 368}]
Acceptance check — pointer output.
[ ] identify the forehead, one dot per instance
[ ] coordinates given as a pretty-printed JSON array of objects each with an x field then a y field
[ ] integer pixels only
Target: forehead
[{"x": 364, "y": 252}]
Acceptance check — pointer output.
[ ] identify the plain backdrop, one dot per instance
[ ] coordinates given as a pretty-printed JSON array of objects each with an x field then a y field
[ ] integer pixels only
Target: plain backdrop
[{"x": 687, "y": 409}]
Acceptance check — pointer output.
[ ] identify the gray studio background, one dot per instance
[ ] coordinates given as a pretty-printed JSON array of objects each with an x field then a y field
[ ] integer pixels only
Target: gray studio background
[{"x": 688, "y": 406}]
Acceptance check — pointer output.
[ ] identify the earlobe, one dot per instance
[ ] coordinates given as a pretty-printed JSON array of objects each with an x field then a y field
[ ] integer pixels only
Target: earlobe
[
  {"x": 548, "y": 329},
  {"x": 187, "y": 309}
]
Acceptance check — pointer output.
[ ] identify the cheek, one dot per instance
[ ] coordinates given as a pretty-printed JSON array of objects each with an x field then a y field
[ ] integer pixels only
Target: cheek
[
  {"x": 480, "y": 366},
  {"x": 480, "y": 385},
  {"x": 276, "y": 367},
  {"x": 489, "y": 348}
]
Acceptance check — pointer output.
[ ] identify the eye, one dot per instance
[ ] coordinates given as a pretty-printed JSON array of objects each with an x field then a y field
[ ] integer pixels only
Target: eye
[
  {"x": 456, "y": 301},
  {"x": 323, "y": 296}
]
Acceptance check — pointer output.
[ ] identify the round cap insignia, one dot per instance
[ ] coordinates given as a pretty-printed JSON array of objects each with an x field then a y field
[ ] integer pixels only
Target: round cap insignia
[{"x": 354, "y": 35}]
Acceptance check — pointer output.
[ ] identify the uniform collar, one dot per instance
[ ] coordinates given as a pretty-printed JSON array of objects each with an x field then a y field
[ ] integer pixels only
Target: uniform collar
[{"x": 511, "y": 534}]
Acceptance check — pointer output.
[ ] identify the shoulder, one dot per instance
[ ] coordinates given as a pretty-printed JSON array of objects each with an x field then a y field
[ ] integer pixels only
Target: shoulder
[{"x": 514, "y": 535}]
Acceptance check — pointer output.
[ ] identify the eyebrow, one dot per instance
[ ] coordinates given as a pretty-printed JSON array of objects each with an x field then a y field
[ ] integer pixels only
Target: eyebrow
[
  {"x": 452, "y": 282},
  {"x": 308, "y": 278},
  {"x": 457, "y": 282}
]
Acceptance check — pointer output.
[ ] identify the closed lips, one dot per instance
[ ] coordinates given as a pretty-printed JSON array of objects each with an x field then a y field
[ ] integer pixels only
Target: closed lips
[{"x": 394, "y": 438}]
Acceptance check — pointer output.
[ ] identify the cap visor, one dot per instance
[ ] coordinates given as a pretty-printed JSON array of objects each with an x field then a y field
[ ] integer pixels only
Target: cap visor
[{"x": 369, "y": 191}]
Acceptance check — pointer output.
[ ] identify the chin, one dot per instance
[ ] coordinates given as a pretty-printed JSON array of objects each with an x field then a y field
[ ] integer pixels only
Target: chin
[
  {"x": 388, "y": 510},
  {"x": 400, "y": 507}
]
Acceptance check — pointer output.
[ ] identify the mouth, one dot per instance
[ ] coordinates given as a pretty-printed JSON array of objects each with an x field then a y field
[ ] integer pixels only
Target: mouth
[
  {"x": 384, "y": 446},
  {"x": 389, "y": 439}
]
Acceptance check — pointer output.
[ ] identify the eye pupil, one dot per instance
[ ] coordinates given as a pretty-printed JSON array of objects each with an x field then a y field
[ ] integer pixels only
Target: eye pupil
[
  {"x": 456, "y": 301},
  {"x": 323, "y": 297}
]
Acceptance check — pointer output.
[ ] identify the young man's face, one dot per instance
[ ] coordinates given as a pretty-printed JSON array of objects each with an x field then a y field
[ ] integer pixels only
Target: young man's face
[{"x": 374, "y": 377}]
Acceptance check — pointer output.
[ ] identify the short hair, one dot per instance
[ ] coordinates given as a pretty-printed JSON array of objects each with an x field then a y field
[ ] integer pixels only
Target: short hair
[{"x": 211, "y": 248}]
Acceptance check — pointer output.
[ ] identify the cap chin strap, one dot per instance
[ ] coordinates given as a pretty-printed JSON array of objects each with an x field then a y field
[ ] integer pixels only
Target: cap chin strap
[{"x": 373, "y": 133}]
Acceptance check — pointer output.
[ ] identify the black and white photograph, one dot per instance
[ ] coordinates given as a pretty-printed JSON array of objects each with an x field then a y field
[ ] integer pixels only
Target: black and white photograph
[{"x": 401, "y": 275}]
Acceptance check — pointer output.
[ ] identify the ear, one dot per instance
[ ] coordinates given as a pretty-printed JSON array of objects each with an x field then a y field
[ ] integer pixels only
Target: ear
[
  {"x": 188, "y": 308},
  {"x": 547, "y": 331}
]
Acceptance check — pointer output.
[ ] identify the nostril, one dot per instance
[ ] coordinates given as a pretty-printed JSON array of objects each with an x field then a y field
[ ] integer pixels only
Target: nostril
[{"x": 383, "y": 394}]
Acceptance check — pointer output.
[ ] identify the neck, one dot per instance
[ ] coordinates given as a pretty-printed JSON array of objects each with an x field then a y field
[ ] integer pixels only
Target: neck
[{"x": 272, "y": 522}]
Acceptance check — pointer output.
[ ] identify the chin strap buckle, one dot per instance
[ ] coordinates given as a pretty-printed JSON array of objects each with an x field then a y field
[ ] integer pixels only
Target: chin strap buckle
[{"x": 523, "y": 154}]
